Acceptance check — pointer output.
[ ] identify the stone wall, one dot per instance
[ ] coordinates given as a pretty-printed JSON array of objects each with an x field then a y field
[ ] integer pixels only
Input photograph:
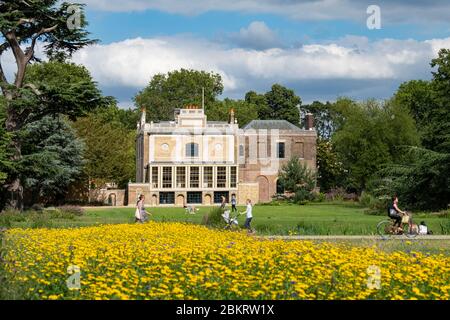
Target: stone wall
[{"x": 248, "y": 191}]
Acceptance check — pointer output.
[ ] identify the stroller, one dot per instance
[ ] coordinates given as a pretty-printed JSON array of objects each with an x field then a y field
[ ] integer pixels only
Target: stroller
[
  {"x": 230, "y": 220},
  {"x": 190, "y": 210}
]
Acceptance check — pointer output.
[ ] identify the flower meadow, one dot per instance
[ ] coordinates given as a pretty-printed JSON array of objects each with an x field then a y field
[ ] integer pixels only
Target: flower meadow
[{"x": 184, "y": 261}]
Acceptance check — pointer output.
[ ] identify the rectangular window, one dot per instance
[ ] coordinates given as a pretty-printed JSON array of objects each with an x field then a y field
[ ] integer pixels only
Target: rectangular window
[
  {"x": 166, "y": 197},
  {"x": 194, "y": 197},
  {"x": 241, "y": 150},
  {"x": 221, "y": 177},
  {"x": 233, "y": 177},
  {"x": 192, "y": 150},
  {"x": 218, "y": 196},
  {"x": 181, "y": 177},
  {"x": 281, "y": 150},
  {"x": 155, "y": 177},
  {"x": 207, "y": 177},
  {"x": 167, "y": 177},
  {"x": 194, "y": 177}
]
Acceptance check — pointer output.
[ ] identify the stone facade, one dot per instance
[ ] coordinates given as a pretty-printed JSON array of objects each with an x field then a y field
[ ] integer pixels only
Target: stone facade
[{"x": 192, "y": 161}]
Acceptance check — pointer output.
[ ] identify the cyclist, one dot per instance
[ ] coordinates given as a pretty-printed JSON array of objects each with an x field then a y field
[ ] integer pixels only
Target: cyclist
[{"x": 396, "y": 213}]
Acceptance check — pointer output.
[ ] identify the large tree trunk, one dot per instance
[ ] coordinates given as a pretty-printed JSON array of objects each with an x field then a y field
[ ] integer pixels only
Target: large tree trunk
[{"x": 14, "y": 186}]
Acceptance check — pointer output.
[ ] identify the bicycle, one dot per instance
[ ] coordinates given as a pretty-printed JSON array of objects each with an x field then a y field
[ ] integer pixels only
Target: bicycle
[{"x": 387, "y": 228}]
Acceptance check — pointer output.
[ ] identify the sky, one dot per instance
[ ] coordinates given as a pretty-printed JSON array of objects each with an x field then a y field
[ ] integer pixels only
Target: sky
[{"x": 323, "y": 49}]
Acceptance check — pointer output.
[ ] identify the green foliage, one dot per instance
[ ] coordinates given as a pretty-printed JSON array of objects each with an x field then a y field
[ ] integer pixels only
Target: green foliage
[
  {"x": 330, "y": 169},
  {"x": 38, "y": 15},
  {"x": 5, "y": 152},
  {"x": 370, "y": 137},
  {"x": 422, "y": 182},
  {"x": 260, "y": 101},
  {"x": 284, "y": 104},
  {"x": 176, "y": 89},
  {"x": 326, "y": 117},
  {"x": 214, "y": 217},
  {"x": 64, "y": 88},
  {"x": 110, "y": 146},
  {"x": 51, "y": 158},
  {"x": 298, "y": 179},
  {"x": 280, "y": 103},
  {"x": 244, "y": 111}
]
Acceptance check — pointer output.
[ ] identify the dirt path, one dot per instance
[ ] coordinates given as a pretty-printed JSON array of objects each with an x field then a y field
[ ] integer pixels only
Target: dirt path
[{"x": 333, "y": 238}]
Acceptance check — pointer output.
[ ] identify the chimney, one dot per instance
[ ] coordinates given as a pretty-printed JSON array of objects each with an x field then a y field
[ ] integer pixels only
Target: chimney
[
  {"x": 309, "y": 121},
  {"x": 232, "y": 120}
]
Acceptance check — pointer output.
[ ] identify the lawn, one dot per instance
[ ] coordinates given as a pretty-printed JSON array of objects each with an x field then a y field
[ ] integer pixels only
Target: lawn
[{"x": 312, "y": 219}]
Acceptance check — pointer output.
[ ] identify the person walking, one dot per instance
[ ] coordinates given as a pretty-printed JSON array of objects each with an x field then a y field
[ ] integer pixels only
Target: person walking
[
  {"x": 141, "y": 213},
  {"x": 233, "y": 203},
  {"x": 249, "y": 216},
  {"x": 223, "y": 203}
]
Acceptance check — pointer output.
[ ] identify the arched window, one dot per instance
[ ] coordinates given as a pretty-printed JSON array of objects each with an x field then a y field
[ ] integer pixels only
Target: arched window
[
  {"x": 280, "y": 187},
  {"x": 192, "y": 150}
]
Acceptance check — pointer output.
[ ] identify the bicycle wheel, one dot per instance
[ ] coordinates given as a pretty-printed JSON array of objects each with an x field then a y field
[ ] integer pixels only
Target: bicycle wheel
[
  {"x": 410, "y": 233},
  {"x": 384, "y": 229}
]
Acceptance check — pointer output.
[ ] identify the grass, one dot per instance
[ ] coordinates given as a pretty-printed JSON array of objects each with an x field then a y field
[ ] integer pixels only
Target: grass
[{"x": 312, "y": 219}]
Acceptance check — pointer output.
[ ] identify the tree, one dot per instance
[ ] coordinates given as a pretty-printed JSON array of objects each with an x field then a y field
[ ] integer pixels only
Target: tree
[
  {"x": 370, "y": 137},
  {"x": 176, "y": 89},
  {"x": 423, "y": 180},
  {"x": 418, "y": 97},
  {"x": 5, "y": 163},
  {"x": 110, "y": 147},
  {"x": 298, "y": 179},
  {"x": 330, "y": 170},
  {"x": 23, "y": 24},
  {"x": 51, "y": 159},
  {"x": 284, "y": 104},
  {"x": 244, "y": 111},
  {"x": 438, "y": 137},
  {"x": 326, "y": 118},
  {"x": 264, "y": 111}
]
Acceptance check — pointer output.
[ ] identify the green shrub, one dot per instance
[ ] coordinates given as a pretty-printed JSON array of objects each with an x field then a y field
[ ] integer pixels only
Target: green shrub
[
  {"x": 214, "y": 217},
  {"x": 302, "y": 196},
  {"x": 319, "y": 197},
  {"x": 40, "y": 220},
  {"x": 445, "y": 227},
  {"x": 74, "y": 210}
]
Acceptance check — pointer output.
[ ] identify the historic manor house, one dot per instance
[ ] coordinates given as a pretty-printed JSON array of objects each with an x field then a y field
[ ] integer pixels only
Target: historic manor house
[{"x": 193, "y": 161}]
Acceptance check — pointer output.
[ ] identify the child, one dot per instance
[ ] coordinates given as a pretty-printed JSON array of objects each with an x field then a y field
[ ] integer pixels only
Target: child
[{"x": 423, "y": 229}]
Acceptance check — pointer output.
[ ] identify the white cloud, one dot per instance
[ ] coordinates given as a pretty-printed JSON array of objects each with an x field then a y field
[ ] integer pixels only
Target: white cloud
[
  {"x": 351, "y": 65},
  {"x": 256, "y": 36},
  {"x": 132, "y": 63}
]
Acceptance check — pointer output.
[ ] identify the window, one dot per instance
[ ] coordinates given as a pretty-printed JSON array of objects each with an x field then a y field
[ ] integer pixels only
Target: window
[
  {"x": 221, "y": 177},
  {"x": 241, "y": 150},
  {"x": 181, "y": 177},
  {"x": 280, "y": 187},
  {"x": 167, "y": 177},
  {"x": 280, "y": 150},
  {"x": 194, "y": 197},
  {"x": 218, "y": 196},
  {"x": 192, "y": 150},
  {"x": 155, "y": 177},
  {"x": 194, "y": 177},
  {"x": 167, "y": 197},
  {"x": 233, "y": 177},
  {"x": 207, "y": 177}
]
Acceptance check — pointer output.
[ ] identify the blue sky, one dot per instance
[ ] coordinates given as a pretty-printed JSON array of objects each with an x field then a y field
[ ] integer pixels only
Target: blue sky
[{"x": 322, "y": 49}]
